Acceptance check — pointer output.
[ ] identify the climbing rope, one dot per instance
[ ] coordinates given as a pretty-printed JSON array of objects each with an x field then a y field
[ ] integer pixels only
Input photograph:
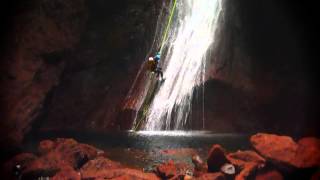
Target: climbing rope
[
  {"x": 164, "y": 37},
  {"x": 145, "y": 106}
]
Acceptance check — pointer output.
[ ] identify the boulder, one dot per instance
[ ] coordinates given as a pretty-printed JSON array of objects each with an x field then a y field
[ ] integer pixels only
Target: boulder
[
  {"x": 216, "y": 158},
  {"x": 62, "y": 154},
  {"x": 23, "y": 159},
  {"x": 211, "y": 176},
  {"x": 121, "y": 174},
  {"x": 279, "y": 149},
  {"x": 270, "y": 175},
  {"x": 67, "y": 175},
  {"x": 308, "y": 152},
  {"x": 74, "y": 153},
  {"x": 228, "y": 169},
  {"x": 45, "y": 146},
  {"x": 179, "y": 152},
  {"x": 47, "y": 165},
  {"x": 248, "y": 170},
  {"x": 247, "y": 161},
  {"x": 167, "y": 170},
  {"x": 171, "y": 169},
  {"x": 240, "y": 158},
  {"x": 282, "y": 150},
  {"x": 199, "y": 165},
  {"x": 94, "y": 167}
]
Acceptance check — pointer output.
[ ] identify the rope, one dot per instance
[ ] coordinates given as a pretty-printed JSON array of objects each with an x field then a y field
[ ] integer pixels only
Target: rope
[{"x": 168, "y": 25}]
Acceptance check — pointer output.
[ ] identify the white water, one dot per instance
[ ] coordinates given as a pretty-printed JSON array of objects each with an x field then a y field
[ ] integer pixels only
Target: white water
[{"x": 190, "y": 37}]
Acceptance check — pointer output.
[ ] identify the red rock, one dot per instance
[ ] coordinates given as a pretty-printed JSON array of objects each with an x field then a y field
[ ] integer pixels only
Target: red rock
[
  {"x": 211, "y": 176},
  {"x": 309, "y": 152},
  {"x": 269, "y": 175},
  {"x": 171, "y": 169},
  {"x": 240, "y": 158},
  {"x": 75, "y": 153},
  {"x": 48, "y": 164},
  {"x": 279, "y": 149},
  {"x": 45, "y": 146},
  {"x": 120, "y": 174},
  {"x": 67, "y": 175},
  {"x": 199, "y": 165},
  {"x": 216, "y": 158},
  {"x": 282, "y": 150},
  {"x": 23, "y": 159},
  {"x": 63, "y": 154},
  {"x": 167, "y": 170},
  {"x": 247, "y": 161},
  {"x": 179, "y": 152},
  {"x": 247, "y": 170},
  {"x": 98, "y": 165}
]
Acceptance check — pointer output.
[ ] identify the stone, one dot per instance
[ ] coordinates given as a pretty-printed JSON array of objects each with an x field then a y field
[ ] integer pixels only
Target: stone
[
  {"x": 216, "y": 158},
  {"x": 279, "y": 149},
  {"x": 228, "y": 169},
  {"x": 308, "y": 152},
  {"x": 179, "y": 152},
  {"x": 211, "y": 176},
  {"x": 171, "y": 169},
  {"x": 270, "y": 175},
  {"x": 248, "y": 170},
  {"x": 167, "y": 170},
  {"x": 199, "y": 165},
  {"x": 67, "y": 175},
  {"x": 121, "y": 174},
  {"x": 23, "y": 159},
  {"x": 240, "y": 158},
  {"x": 45, "y": 146},
  {"x": 247, "y": 161},
  {"x": 282, "y": 150},
  {"x": 62, "y": 154},
  {"x": 93, "y": 167}
]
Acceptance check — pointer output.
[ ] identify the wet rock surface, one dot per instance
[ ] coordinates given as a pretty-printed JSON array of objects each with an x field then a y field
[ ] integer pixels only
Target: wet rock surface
[
  {"x": 283, "y": 150},
  {"x": 69, "y": 159}
]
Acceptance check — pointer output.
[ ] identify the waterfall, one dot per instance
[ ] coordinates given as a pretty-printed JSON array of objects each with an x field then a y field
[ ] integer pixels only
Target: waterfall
[{"x": 190, "y": 37}]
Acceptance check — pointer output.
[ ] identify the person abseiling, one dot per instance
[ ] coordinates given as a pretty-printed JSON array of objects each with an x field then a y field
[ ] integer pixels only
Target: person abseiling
[{"x": 154, "y": 66}]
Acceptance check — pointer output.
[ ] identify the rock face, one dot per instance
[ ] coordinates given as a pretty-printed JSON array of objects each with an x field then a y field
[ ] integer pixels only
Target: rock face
[
  {"x": 254, "y": 86},
  {"x": 103, "y": 67},
  {"x": 64, "y": 156},
  {"x": 285, "y": 151},
  {"x": 68, "y": 159},
  {"x": 272, "y": 175},
  {"x": 71, "y": 63},
  {"x": 247, "y": 162},
  {"x": 40, "y": 37},
  {"x": 173, "y": 170},
  {"x": 216, "y": 158}
]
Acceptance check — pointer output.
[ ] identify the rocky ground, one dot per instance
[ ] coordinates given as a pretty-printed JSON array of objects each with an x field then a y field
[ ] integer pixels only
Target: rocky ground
[{"x": 271, "y": 157}]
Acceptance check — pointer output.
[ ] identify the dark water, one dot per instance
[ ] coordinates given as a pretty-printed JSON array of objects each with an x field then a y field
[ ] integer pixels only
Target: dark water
[{"x": 144, "y": 149}]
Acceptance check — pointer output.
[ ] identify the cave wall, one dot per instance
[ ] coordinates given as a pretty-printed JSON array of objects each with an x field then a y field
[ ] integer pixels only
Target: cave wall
[
  {"x": 262, "y": 70},
  {"x": 105, "y": 64},
  {"x": 69, "y": 64},
  {"x": 37, "y": 36}
]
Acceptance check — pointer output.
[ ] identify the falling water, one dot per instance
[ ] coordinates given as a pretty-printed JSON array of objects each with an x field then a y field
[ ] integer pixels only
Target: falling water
[{"x": 190, "y": 37}]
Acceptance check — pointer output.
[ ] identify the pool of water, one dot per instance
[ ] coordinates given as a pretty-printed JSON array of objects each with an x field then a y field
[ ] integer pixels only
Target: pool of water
[{"x": 144, "y": 149}]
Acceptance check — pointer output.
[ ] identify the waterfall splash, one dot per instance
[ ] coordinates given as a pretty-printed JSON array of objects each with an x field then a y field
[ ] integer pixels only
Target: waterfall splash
[{"x": 191, "y": 35}]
